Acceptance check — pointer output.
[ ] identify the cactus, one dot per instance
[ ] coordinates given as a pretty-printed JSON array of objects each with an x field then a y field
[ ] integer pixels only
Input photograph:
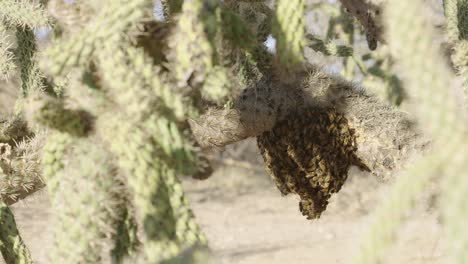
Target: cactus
[
  {"x": 439, "y": 111},
  {"x": 290, "y": 31},
  {"x": 12, "y": 246},
  {"x": 23, "y": 14},
  {"x": 6, "y": 55},
  {"x": 456, "y": 12},
  {"x": 87, "y": 205}
]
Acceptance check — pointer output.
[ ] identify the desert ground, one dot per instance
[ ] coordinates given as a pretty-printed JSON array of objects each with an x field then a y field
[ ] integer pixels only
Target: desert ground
[{"x": 247, "y": 221}]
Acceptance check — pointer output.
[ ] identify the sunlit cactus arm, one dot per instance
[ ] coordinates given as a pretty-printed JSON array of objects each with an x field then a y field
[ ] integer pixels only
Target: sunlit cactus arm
[
  {"x": 78, "y": 49},
  {"x": 140, "y": 88},
  {"x": 12, "y": 247},
  {"x": 141, "y": 94},
  {"x": 7, "y": 64},
  {"x": 438, "y": 107},
  {"x": 138, "y": 155},
  {"x": 218, "y": 85},
  {"x": 23, "y": 13},
  {"x": 411, "y": 41},
  {"x": 192, "y": 54},
  {"x": 454, "y": 204},
  {"x": 456, "y": 13},
  {"x": 391, "y": 213},
  {"x": 460, "y": 59},
  {"x": 87, "y": 206},
  {"x": 32, "y": 79},
  {"x": 289, "y": 31},
  {"x": 187, "y": 230},
  {"x": 167, "y": 135},
  {"x": 53, "y": 154}
]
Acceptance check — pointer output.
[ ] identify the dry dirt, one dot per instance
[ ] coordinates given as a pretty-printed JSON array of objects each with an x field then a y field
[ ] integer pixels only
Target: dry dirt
[{"x": 248, "y": 222}]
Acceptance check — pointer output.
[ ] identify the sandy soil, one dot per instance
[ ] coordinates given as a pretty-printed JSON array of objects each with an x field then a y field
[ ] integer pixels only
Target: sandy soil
[{"x": 248, "y": 222}]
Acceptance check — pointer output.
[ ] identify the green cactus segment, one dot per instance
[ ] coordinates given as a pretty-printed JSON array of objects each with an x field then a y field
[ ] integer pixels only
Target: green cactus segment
[
  {"x": 135, "y": 83},
  {"x": 140, "y": 94},
  {"x": 455, "y": 205},
  {"x": 51, "y": 112},
  {"x": 410, "y": 41},
  {"x": 23, "y": 13},
  {"x": 192, "y": 44},
  {"x": 87, "y": 205},
  {"x": 289, "y": 31},
  {"x": 463, "y": 19},
  {"x": 218, "y": 85},
  {"x": 52, "y": 158},
  {"x": 12, "y": 247},
  {"x": 456, "y": 12},
  {"x": 188, "y": 232},
  {"x": 460, "y": 59},
  {"x": 7, "y": 65},
  {"x": 125, "y": 239},
  {"x": 77, "y": 50},
  {"x": 167, "y": 220},
  {"x": 391, "y": 214},
  {"x": 31, "y": 78},
  {"x": 174, "y": 147},
  {"x": 139, "y": 156}
]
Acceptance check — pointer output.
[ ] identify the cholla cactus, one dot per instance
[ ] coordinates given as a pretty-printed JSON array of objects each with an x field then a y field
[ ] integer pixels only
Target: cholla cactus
[
  {"x": 12, "y": 246},
  {"x": 7, "y": 64}
]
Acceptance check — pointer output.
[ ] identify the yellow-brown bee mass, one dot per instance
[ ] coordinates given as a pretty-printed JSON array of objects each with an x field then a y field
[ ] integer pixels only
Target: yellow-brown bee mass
[{"x": 309, "y": 154}]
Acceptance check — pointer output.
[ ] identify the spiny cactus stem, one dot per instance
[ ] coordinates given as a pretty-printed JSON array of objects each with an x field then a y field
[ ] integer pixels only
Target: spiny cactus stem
[
  {"x": 12, "y": 247},
  {"x": 24, "y": 193},
  {"x": 365, "y": 13}
]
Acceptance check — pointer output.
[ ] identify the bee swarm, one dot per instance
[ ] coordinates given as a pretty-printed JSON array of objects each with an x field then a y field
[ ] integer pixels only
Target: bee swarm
[{"x": 309, "y": 154}]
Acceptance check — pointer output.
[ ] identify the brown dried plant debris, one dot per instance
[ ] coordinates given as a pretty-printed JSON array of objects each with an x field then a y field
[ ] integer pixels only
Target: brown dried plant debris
[{"x": 309, "y": 154}]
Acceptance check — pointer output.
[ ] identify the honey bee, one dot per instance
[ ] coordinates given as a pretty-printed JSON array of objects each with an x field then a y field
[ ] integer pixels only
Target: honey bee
[{"x": 309, "y": 154}]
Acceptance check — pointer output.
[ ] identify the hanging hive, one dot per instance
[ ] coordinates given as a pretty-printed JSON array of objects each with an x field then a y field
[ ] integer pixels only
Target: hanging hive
[{"x": 309, "y": 154}]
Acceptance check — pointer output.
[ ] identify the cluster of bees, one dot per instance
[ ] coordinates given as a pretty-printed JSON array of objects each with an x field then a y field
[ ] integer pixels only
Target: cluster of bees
[{"x": 309, "y": 154}]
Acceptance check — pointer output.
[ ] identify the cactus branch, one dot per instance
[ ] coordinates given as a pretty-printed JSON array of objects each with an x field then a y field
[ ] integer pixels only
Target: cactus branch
[
  {"x": 12, "y": 247},
  {"x": 23, "y": 13},
  {"x": 366, "y": 14}
]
